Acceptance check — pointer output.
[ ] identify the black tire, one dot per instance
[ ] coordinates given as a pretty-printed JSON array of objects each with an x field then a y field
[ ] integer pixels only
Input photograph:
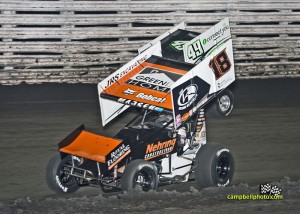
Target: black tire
[
  {"x": 56, "y": 177},
  {"x": 215, "y": 166},
  {"x": 140, "y": 174},
  {"x": 223, "y": 104}
]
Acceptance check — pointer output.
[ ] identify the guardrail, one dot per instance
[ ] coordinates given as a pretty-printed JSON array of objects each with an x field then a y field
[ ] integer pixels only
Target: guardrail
[{"x": 84, "y": 41}]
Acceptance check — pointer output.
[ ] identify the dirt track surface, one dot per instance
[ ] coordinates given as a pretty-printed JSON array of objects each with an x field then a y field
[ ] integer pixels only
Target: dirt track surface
[{"x": 262, "y": 132}]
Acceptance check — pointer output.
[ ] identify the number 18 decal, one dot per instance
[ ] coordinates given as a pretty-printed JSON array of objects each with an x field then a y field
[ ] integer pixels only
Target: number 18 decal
[{"x": 220, "y": 64}]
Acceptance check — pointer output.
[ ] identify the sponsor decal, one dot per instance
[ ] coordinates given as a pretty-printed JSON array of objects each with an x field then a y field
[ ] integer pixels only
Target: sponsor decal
[
  {"x": 185, "y": 117},
  {"x": 200, "y": 134},
  {"x": 178, "y": 119},
  {"x": 122, "y": 73},
  {"x": 155, "y": 79},
  {"x": 203, "y": 134},
  {"x": 216, "y": 34},
  {"x": 157, "y": 149},
  {"x": 199, "y": 127},
  {"x": 144, "y": 96},
  {"x": 199, "y": 123},
  {"x": 128, "y": 91},
  {"x": 117, "y": 155},
  {"x": 140, "y": 105},
  {"x": 224, "y": 82},
  {"x": 177, "y": 45},
  {"x": 148, "y": 85},
  {"x": 187, "y": 96},
  {"x": 151, "y": 98}
]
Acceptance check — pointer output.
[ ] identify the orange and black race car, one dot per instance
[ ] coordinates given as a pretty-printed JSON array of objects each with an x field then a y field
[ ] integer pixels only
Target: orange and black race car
[{"x": 170, "y": 81}]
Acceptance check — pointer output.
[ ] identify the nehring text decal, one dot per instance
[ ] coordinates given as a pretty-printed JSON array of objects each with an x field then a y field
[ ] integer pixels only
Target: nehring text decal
[{"x": 156, "y": 149}]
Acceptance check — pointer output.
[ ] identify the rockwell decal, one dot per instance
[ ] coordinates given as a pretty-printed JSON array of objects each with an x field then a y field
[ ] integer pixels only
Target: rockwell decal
[{"x": 117, "y": 155}]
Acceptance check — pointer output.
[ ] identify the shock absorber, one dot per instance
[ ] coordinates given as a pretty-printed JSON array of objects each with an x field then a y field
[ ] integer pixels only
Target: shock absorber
[{"x": 200, "y": 129}]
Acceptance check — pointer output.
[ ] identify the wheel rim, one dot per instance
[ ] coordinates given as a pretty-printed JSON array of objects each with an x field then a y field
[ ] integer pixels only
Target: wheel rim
[
  {"x": 144, "y": 180},
  {"x": 223, "y": 168},
  {"x": 224, "y": 103},
  {"x": 63, "y": 175}
]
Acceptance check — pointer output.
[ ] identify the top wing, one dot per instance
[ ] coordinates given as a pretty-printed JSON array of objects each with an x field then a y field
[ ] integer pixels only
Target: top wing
[
  {"x": 109, "y": 107},
  {"x": 179, "y": 72},
  {"x": 147, "y": 85}
]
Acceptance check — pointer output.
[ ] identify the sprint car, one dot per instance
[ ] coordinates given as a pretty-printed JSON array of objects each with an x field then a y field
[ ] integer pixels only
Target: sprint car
[{"x": 171, "y": 81}]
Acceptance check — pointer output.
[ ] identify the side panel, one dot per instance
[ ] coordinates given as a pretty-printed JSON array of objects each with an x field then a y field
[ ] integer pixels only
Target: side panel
[
  {"x": 187, "y": 97},
  {"x": 177, "y": 165},
  {"x": 194, "y": 89},
  {"x": 153, "y": 146}
]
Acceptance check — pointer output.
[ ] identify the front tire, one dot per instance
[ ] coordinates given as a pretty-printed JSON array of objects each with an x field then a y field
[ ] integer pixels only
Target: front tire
[
  {"x": 57, "y": 178},
  {"x": 140, "y": 174},
  {"x": 215, "y": 166}
]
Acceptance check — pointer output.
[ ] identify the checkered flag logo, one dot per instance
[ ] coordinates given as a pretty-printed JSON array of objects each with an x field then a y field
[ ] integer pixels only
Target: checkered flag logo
[
  {"x": 268, "y": 189},
  {"x": 265, "y": 189},
  {"x": 275, "y": 190}
]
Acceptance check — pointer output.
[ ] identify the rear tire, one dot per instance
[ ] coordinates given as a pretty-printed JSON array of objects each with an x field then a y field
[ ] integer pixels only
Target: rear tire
[
  {"x": 215, "y": 166},
  {"x": 57, "y": 178},
  {"x": 140, "y": 174},
  {"x": 223, "y": 104}
]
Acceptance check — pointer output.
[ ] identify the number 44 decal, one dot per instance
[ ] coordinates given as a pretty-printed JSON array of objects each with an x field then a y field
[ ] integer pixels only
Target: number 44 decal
[{"x": 220, "y": 64}]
